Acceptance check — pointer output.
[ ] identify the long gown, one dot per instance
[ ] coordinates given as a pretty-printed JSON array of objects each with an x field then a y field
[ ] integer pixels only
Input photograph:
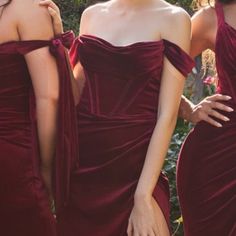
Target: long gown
[
  {"x": 24, "y": 204},
  {"x": 206, "y": 177},
  {"x": 117, "y": 114}
]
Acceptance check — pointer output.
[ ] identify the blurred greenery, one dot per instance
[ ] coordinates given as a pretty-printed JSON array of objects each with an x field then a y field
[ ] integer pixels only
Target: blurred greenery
[
  {"x": 71, "y": 13},
  {"x": 181, "y": 132}
]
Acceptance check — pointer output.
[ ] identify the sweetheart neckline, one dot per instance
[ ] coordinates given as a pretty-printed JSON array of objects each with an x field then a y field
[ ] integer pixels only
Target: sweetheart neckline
[{"x": 101, "y": 40}]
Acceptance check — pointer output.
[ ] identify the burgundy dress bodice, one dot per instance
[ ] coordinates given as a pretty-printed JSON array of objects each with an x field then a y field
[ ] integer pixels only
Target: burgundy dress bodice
[
  {"x": 124, "y": 82},
  {"x": 116, "y": 115}
]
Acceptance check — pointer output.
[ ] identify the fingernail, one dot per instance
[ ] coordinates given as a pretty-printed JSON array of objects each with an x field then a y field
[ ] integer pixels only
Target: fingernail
[
  {"x": 230, "y": 109},
  {"x": 228, "y": 97},
  {"x": 226, "y": 118},
  {"x": 219, "y": 125}
]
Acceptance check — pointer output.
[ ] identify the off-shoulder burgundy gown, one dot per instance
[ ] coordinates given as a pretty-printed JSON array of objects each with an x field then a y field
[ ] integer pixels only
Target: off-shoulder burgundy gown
[
  {"x": 24, "y": 206},
  {"x": 207, "y": 164},
  {"x": 116, "y": 116}
]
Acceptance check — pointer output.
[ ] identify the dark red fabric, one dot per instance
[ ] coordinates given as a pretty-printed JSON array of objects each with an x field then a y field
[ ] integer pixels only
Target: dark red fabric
[
  {"x": 206, "y": 175},
  {"x": 117, "y": 114},
  {"x": 24, "y": 208}
]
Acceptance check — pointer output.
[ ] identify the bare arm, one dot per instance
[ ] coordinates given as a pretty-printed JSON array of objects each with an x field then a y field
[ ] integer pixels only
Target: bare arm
[
  {"x": 144, "y": 219},
  {"x": 169, "y": 100},
  {"x": 54, "y": 11},
  {"x": 34, "y": 23}
]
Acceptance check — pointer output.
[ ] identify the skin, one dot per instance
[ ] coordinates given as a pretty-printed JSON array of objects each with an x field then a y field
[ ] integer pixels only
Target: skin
[
  {"x": 204, "y": 29},
  {"x": 203, "y": 111},
  {"x": 120, "y": 16},
  {"x": 142, "y": 219},
  {"x": 27, "y": 21}
]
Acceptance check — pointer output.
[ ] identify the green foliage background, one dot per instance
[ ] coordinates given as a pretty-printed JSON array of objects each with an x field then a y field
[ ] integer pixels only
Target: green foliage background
[{"x": 71, "y": 13}]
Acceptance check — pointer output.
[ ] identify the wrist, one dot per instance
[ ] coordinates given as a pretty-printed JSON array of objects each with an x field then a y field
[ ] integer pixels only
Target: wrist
[
  {"x": 190, "y": 117},
  {"x": 188, "y": 114},
  {"x": 186, "y": 109},
  {"x": 142, "y": 197}
]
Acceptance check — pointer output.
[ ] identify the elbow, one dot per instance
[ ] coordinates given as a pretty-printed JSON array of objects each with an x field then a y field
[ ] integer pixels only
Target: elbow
[
  {"x": 50, "y": 98},
  {"x": 53, "y": 98}
]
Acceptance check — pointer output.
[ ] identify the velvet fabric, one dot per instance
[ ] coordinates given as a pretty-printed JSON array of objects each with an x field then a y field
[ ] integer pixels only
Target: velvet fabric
[
  {"x": 24, "y": 204},
  {"x": 206, "y": 175},
  {"x": 116, "y": 117}
]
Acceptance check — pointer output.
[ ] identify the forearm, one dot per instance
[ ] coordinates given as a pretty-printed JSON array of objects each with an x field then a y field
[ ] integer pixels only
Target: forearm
[
  {"x": 47, "y": 126},
  {"x": 186, "y": 108},
  {"x": 155, "y": 157}
]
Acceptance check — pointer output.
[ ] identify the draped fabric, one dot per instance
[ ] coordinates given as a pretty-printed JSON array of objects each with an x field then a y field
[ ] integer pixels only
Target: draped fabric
[
  {"x": 24, "y": 206},
  {"x": 116, "y": 115},
  {"x": 206, "y": 176}
]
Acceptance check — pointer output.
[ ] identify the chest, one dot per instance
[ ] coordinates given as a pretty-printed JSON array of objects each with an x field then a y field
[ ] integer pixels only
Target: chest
[{"x": 123, "y": 29}]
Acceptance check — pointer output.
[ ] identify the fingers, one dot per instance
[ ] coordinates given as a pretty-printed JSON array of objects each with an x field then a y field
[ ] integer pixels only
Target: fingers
[
  {"x": 130, "y": 229},
  {"x": 49, "y": 3},
  {"x": 215, "y": 102},
  {"x": 218, "y": 115},
  {"x": 219, "y": 97},
  {"x": 212, "y": 122},
  {"x": 54, "y": 14},
  {"x": 220, "y": 106},
  {"x": 156, "y": 231},
  {"x": 209, "y": 110},
  {"x": 136, "y": 233},
  {"x": 209, "y": 117},
  {"x": 53, "y": 9}
]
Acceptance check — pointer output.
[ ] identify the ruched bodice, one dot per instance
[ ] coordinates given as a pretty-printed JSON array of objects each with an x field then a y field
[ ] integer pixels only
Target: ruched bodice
[
  {"x": 25, "y": 202},
  {"x": 125, "y": 81}
]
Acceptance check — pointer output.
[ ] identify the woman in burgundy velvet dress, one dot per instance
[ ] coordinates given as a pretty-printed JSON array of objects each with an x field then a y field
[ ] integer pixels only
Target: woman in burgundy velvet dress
[
  {"x": 132, "y": 74},
  {"x": 207, "y": 164},
  {"x": 34, "y": 95}
]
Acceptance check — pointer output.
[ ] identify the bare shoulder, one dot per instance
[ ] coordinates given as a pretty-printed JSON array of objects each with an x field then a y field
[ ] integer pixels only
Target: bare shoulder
[
  {"x": 95, "y": 10},
  {"x": 33, "y": 21},
  {"x": 204, "y": 24},
  {"x": 91, "y": 14},
  {"x": 29, "y": 7},
  {"x": 206, "y": 16},
  {"x": 177, "y": 25},
  {"x": 177, "y": 16}
]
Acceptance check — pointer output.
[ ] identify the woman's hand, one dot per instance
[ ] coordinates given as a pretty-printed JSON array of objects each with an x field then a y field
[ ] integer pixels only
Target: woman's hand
[
  {"x": 205, "y": 110},
  {"x": 54, "y": 11},
  {"x": 143, "y": 219}
]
